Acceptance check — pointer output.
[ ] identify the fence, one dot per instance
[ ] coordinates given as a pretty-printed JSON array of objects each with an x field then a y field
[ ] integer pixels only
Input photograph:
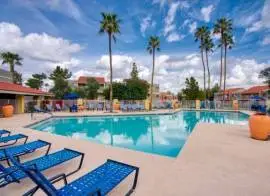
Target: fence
[{"x": 227, "y": 105}]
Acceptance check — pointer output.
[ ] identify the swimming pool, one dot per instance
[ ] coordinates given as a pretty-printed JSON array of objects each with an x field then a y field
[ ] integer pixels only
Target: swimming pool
[{"x": 163, "y": 134}]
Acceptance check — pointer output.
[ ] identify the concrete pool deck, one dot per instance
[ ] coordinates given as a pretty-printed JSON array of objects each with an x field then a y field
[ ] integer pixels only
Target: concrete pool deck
[{"x": 216, "y": 160}]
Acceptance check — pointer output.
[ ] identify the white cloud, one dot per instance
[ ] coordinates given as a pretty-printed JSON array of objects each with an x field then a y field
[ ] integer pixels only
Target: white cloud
[
  {"x": 192, "y": 27},
  {"x": 264, "y": 22},
  {"x": 121, "y": 65},
  {"x": 160, "y": 2},
  {"x": 206, "y": 12},
  {"x": 146, "y": 23},
  {"x": 72, "y": 63},
  {"x": 169, "y": 19},
  {"x": 173, "y": 37},
  {"x": 34, "y": 45},
  {"x": 255, "y": 27},
  {"x": 66, "y": 7},
  {"x": 244, "y": 72},
  {"x": 266, "y": 40}
]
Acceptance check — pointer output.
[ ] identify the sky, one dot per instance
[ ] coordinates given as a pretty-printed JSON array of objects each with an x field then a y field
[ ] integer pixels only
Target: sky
[{"x": 65, "y": 32}]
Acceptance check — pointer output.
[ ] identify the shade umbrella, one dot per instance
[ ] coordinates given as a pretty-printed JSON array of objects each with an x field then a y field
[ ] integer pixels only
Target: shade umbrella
[{"x": 71, "y": 96}]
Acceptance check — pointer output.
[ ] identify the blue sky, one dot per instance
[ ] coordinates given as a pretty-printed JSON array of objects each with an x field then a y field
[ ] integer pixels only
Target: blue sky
[{"x": 65, "y": 32}]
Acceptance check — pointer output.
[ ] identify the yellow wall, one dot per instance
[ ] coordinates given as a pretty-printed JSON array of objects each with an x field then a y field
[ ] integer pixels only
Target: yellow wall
[{"x": 19, "y": 104}]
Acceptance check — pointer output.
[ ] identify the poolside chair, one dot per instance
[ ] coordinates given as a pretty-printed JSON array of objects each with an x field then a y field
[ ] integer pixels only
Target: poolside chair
[
  {"x": 91, "y": 106},
  {"x": 13, "y": 139},
  {"x": 99, "y": 181},
  {"x": 23, "y": 149},
  {"x": 15, "y": 174},
  {"x": 73, "y": 108},
  {"x": 108, "y": 107},
  {"x": 38, "y": 109},
  {"x": 49, "y": 108},
  {"x": 3, "y": 132},
  {"x": 58, "y": 107},
  {"x": 100, "y": 106},
  {"x": 123, "y": 107}
]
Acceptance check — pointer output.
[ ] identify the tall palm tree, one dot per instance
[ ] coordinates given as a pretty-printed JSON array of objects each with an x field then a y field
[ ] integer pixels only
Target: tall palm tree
[
  {"x": 208, "y": 46},
  {"x": 200, "y": 35},
  {"x": 228, "y": 43},
  {"x": 110, "y": 24},
  {"x": 12, "y": 59},
  {"x": 152, "y": 47},
  {"x": 222, "y": 26}
]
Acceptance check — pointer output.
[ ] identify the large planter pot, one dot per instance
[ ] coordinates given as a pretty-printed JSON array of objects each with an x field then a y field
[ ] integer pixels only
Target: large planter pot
[
  {"x": 7, "y": 110},
  {"x": 259, "y": 126},
  {"x": 116, "y": 106}
]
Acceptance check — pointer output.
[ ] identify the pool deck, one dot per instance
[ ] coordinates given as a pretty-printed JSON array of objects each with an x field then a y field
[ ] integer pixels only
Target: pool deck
[{"x": 216, "y": 160}]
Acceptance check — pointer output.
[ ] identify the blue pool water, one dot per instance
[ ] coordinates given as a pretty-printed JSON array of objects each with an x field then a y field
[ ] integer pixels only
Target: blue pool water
[{"x": 157, "y": 134}]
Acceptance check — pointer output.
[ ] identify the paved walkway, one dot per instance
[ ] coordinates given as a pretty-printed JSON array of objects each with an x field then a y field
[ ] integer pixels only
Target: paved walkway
[{"x": 216, "y": 160}]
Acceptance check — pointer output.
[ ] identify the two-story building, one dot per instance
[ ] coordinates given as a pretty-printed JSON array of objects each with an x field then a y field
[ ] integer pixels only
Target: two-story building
[{"x": 229, "y": 94}]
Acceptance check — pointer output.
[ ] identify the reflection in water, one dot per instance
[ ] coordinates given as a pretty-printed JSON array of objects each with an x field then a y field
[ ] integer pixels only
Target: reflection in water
[{"x": 158, "y": 134}]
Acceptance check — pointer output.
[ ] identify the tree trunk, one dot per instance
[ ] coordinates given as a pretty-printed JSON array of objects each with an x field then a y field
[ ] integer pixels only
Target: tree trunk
[
  {"x": 209, "y": 77},
  {"x": 152, "y": 80},
  {"x": 12, "y": 73},
  {"x": 111, "y": 73},
  {"x": 225, "y": 70},
  {"x": 221, "y": 68},
  {"x": 203, "y": 71}
]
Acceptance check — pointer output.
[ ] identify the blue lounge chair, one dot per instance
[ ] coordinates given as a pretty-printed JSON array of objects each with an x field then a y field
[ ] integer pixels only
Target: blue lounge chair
[
  {"x": 108, "y": 106},
  {"x": 3, "y": 132},
  {"x": 15, "y": 174},
  {"x": 73, "y": 108},
  {"x": 13, "y": 139},
  {"x": 38, "y": 109},
  {"x": 123, "y": 107},
  {"x": 100, "y": 107},
  {"x": 99, "y": 182},
  {"x": 23, "y": 149},
  {"x": 49, "y": 107},
  {"x": 91, "y": 106}
]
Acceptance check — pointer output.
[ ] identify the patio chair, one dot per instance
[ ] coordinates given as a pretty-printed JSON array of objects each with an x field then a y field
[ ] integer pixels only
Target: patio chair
[
  {"x": 23, "y": 149},
  {"x": 15, "y": 174},
  {"x": 108, "y": 107},
  {"x": 100, "y": 107},
  {"x": 13, "y": 139},
  {"x": 49, "y": 108},
  {"x": 73, "y": 108},
  {"x": 58, "y": 107},
  {"x": 99, "y": 181},
  {"x": 129, "y": 107},
  {"x": 91, "y": 106},
  {"x": 3, "y": 132},
  {"x": 134, "y": 107},
  {"x": 38, "y": 109},
  {"x": 122, "y": 106}
]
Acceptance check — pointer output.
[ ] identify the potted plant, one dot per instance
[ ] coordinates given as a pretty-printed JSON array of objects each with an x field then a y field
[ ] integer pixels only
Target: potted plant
[
  {"x": 259, "y": 125},
  {"x": 7, "y": 110}
]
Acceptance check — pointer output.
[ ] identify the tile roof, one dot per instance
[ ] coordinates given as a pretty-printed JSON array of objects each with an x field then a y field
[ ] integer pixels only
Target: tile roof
[
  {"x": 231, "y": 91},
  {"x": 6, "y": 86},
  {"x": 256, "y": 89},
  {"x": 83, "y": 80}
]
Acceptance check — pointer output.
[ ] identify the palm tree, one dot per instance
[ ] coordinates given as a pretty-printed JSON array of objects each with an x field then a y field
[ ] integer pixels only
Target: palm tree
[
  {"x": 200, "y": 35},
  {"x": 110, "y": 24},
  {"x": 152, "y": 47},
  {"x": 12, "y": 59},
  {"x": 208, "y": 45},
  {"x": 228, "y": 43},
  {"x": 221, "y": 27}
]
